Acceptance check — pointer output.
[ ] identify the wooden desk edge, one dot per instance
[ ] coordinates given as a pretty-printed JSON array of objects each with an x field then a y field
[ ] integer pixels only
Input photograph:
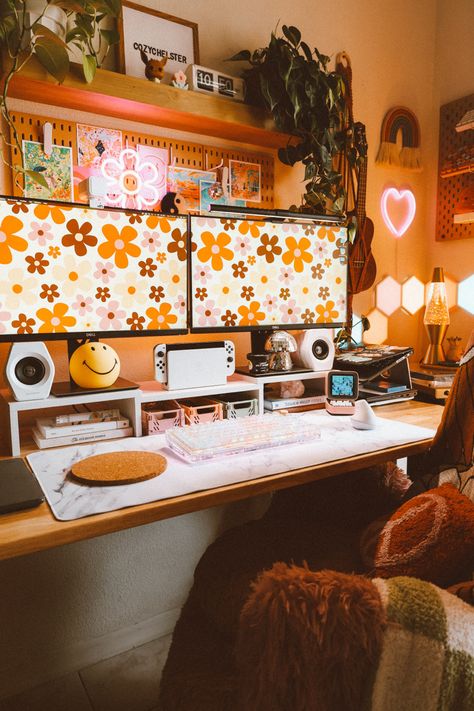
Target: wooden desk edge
[{"x": 35, "y": 530}]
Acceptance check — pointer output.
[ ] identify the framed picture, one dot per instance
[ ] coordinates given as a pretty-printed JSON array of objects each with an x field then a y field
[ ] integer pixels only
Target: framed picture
[{"x": 158, "y": 35}]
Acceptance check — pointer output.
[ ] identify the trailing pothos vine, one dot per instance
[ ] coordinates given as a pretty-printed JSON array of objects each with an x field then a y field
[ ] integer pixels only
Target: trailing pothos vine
[
  {"x": 22, "y": 37},
  {"x": 307, "y": 101}
]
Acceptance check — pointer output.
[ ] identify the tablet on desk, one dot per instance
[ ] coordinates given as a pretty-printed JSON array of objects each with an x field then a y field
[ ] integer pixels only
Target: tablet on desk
[{"x": 18, "y": 486}]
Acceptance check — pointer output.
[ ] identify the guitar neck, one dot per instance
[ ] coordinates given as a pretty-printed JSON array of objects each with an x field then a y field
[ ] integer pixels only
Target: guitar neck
[{"x": 362, "y": 192}]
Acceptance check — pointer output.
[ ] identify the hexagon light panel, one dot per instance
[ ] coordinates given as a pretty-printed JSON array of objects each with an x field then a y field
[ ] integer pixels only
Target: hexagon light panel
[
  {"x": 388, "y": 295},
  {"x": 378, "y": 331},
  {"x": 413, "y": 295},
  {"x": 466, "y": 294},
  {"x": 356, "y": 328}
]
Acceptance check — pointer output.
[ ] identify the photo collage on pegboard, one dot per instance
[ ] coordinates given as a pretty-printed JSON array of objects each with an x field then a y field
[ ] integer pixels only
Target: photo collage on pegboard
[{"x": 105, "y": 171}]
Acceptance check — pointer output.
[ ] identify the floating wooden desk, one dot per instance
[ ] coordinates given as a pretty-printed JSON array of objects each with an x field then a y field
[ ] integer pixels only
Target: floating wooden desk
[{"x": 36, "y": 529}]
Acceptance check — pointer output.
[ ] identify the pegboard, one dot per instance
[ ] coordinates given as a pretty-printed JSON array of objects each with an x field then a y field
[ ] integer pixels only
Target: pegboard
[
  {"x": 182, "y": 153},
  {"x": 455, "y": 172}
]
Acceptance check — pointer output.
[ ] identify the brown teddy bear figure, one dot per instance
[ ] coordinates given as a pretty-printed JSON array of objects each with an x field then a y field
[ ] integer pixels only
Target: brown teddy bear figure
[{"x": 154, "y": 68}]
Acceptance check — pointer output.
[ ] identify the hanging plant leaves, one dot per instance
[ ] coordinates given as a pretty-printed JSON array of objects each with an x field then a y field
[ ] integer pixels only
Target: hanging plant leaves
[
  {"x": 89, "y": 66},
  {"x": 292, "y": 34},
  {"x": 53, "y": 57}
]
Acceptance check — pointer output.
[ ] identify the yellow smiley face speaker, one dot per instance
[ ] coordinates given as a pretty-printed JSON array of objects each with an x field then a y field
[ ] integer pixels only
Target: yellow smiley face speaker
[{"x": 94, "y": 365}]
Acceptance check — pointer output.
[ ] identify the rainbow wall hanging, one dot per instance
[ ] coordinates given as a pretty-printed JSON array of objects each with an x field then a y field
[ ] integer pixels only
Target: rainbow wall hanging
[{"x": 409, "y": 157}]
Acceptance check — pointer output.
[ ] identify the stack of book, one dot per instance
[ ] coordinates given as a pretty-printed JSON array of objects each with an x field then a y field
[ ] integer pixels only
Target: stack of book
[
  {"x": 433, "y": 382},
  {"x": 79, "y": 427},
  {"x": 311, "y": 400}
]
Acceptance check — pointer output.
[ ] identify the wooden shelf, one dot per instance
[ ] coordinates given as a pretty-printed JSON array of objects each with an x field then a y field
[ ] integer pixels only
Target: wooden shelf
[
  {"x": 36, "y": 529},
  {"x": 133, "y": 99}
]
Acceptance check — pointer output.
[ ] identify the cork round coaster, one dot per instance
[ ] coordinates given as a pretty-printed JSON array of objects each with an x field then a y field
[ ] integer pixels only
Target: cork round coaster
[{"x": 119, "y": 467}]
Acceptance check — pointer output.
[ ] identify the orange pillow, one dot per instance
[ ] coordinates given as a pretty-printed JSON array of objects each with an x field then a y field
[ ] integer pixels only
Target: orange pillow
[{"x": 430, "y": 537}]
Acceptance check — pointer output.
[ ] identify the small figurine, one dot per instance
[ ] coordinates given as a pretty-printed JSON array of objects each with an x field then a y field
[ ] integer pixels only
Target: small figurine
[
  {"x": 179, "y": 80},
  {"x": 154, "y": 68},
  {"x": 454, "y": 352},
  {"x": 170, "y": 204}
]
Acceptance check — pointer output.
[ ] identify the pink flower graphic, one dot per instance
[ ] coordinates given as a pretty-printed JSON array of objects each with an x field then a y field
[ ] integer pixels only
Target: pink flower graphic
[
  {"x": 321, "y": 250},
  {"x": 105, "y": 272},
  {"x": 270, "y": 303},
  {"x": 286, "y": 275},
  {"x": 83, "y": 304},
  {"x": 242, "y": 245},
  {"x": 208, "y": 313},
  {"x": 151, "y": 241},
  {"x": 41, "y": 233},
  {"x": 110, "y": 316},
  {"x": 4, "y": 316},
  {"x": 202, "y": 274},
  {"x": 180, "y": 304},
  {"x": 290, "y": 312}
]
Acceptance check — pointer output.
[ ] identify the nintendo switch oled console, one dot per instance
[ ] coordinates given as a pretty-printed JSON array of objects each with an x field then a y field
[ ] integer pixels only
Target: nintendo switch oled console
[{"x": 194, "y": 365}]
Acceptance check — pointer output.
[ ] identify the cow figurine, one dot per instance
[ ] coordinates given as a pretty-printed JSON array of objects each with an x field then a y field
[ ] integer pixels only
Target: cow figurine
[{"x": 154, "y": 68}]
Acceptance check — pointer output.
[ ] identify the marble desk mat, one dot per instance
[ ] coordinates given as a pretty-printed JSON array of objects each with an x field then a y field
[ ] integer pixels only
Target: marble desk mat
[{"x": 70, "y": 499}]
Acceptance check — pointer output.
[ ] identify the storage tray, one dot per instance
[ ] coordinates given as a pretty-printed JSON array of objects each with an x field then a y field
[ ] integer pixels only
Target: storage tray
[
  {"x": 201, "y": 409},
  {"x": 234, "y": 406},
  {"x": 160, "y": 416}
]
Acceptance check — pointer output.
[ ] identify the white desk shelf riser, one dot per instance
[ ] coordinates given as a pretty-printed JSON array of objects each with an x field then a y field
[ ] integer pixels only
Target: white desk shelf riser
[
  {"x": 154, "y": 392},
  {"x": 129, "y": 402}
]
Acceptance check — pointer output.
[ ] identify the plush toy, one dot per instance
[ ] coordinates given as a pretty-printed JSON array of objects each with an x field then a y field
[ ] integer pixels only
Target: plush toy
[{"x": 154, "y": 68}]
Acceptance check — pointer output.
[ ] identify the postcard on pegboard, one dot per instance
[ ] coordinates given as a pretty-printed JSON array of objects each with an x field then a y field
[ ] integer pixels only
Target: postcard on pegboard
[
  {"x": 186, "y": 183},
  {"x": 95, "y": 143},
  {"x": 207, "y": 199},
  {"x": 245, "y": 180},
  {"x": 56, "y": 169}
]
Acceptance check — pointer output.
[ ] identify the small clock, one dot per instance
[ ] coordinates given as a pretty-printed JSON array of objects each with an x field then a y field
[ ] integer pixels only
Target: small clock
[{"x": 342, "y": 389}]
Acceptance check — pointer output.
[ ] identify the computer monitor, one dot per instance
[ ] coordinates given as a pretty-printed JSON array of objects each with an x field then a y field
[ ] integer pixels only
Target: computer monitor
[
  {"x": 74, "y": 272},
  {"x": 258, "y": 274}
]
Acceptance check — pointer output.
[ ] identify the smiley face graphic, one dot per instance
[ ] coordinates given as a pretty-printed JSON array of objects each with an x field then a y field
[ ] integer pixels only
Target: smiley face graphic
[{"x": 94, "y": 365}]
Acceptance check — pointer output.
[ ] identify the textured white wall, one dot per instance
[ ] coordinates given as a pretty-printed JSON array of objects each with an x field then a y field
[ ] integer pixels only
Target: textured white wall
[{"x": 69, "y": 607}]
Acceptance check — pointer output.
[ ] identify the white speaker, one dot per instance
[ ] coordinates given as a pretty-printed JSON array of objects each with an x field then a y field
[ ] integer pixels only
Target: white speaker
[
  {"x": 315, "y": 349},
  {"x": 29, "y": 371}
]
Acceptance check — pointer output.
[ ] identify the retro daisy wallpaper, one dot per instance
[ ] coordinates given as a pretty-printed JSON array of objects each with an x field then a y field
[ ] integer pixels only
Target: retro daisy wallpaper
[
  {"x": 71, "y": 269},
  {"x": 250, "y": 273}
]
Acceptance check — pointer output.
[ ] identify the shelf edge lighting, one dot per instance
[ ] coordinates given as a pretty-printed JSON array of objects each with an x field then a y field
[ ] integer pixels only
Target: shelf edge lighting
[{"x": 410, "y": 211}]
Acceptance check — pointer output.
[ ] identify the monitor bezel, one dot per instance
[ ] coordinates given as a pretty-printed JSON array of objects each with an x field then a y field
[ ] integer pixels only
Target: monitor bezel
[
  {"x": 93, "y": 335},
  {"x": 262, "y": 327}
]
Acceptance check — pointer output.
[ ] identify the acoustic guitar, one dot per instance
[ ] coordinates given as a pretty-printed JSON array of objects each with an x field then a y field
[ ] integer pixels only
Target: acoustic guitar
[{"x": 362, "y": 267}]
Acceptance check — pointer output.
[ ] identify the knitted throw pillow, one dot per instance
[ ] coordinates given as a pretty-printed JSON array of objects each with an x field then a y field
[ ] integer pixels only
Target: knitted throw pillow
[{"x": 430, "y": 537}]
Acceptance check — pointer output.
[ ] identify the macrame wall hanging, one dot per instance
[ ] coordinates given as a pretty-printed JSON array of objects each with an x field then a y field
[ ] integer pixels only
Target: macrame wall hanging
[{"x": 409, "y": 156}]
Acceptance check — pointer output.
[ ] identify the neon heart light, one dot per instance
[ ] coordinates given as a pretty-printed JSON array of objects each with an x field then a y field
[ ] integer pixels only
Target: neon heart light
[{"x": 408, "y": 213}]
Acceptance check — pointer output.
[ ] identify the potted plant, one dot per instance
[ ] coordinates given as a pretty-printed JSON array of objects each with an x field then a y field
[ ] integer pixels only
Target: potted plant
[
  {"x": 307, "y": 101},
  {"x": 51, "y": 30}
]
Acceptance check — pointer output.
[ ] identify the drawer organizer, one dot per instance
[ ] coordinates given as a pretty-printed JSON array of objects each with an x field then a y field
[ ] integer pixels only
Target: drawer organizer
[
  {"x": 234, "y": 406},
  {"x": 201, "y": 409},
  {"x": 160, "y": 416}
]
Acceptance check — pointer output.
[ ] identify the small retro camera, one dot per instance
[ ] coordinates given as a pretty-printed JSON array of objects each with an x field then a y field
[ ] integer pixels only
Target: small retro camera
[{"x": 342, "y": 389}]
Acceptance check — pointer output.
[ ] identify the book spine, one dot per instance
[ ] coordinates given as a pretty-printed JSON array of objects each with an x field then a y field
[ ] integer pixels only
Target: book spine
[
  {"x": 94, "y": 415},
  {"x": 293, "y": 402},
  {"x": 92, "y": 427},
  {"x": 44, "y": 443}
]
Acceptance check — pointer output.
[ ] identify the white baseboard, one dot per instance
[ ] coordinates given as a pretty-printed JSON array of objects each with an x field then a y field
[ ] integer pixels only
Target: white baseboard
[{"x": 55, "y": 663}]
